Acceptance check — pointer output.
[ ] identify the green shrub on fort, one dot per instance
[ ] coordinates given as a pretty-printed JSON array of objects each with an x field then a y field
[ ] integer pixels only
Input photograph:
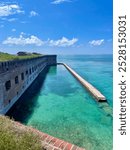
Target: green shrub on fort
[
  {"x": 13, "y": 137},
  {"x": 8, "y": 57}
]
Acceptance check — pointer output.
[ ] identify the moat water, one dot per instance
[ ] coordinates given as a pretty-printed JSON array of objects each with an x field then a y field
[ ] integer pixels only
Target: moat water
[{"x": 57, "y": 104}]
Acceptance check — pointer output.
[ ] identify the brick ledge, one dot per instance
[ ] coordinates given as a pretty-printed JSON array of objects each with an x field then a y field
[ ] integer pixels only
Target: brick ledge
[{"x": 53, "y": 143}]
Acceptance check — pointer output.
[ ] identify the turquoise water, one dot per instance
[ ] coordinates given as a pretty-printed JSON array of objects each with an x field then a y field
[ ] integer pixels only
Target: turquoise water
[{"x": 57, "y": 104}]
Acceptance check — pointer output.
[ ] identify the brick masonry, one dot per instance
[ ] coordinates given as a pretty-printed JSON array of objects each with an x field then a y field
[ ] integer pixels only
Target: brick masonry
[
  {"x": 25, "y": 71},
  {"x": 52, "y": 143}
]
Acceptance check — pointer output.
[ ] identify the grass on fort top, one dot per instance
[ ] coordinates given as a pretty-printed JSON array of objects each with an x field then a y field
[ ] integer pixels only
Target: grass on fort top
[
  {"x": 13, "y": 137},
  {"x": 8, "y": 57}
]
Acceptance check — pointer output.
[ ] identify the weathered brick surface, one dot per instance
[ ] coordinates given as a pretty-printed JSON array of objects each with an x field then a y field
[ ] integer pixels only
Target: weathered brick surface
[
  {"x": 50, "y": 148},
  {"x": 74, "y": 147},
  {"x": 63, "y": 145},
  {"x": 52, "y": 143},
  {"x": 58, "y": 143},
  {"x": 25, "y": 71},
  {"x": 68, "y": 146},
  {"x": 48, "y": 139}
]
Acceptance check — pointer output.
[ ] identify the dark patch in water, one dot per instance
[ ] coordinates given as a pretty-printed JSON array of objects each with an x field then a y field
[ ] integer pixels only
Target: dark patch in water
[{"x": 24, "y": 107}]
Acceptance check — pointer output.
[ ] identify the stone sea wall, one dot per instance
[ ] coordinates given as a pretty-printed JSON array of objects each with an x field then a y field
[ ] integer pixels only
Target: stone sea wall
[{"x": 17, "y": 75}]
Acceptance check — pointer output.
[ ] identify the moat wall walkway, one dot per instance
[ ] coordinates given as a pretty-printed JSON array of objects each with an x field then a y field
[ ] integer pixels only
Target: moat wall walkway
[{"x": 99, "y": 97}]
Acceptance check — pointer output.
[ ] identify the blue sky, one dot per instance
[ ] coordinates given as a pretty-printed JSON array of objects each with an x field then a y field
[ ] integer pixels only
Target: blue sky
[{"x": 56, "y": 26}]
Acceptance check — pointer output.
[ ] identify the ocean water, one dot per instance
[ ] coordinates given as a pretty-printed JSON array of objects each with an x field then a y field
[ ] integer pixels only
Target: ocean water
[{"x": 57, "y": 104}]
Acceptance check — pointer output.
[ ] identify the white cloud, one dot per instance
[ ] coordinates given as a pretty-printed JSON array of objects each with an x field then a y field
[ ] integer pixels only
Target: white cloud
[
  {"x": 9, "y": 9},
  {"x": 96, "y": 42},
  {"x": 10, "y": 20},
  {"x": 33, "y": 13},
  {"x": 63, "y": 42},
  {"x": 21, "y": 40},
  {"x": 60, "y": 1},
  {"x": 33, "y": 40}
]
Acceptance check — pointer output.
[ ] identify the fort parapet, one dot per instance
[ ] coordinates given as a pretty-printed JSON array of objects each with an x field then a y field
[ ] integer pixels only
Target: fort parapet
[{"x": 17, "y": 75}]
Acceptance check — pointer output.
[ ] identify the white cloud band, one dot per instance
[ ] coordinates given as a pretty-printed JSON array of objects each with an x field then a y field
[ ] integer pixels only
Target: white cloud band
[
  {"x": 60, "y": 1},
  {"x": 63, "y": 42},
  {"x": 33, "y": 13},
  {"x": 96, "y": 42},
  {"x": 33, "y": 40},
  {"x": 6, "y": 10}
]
